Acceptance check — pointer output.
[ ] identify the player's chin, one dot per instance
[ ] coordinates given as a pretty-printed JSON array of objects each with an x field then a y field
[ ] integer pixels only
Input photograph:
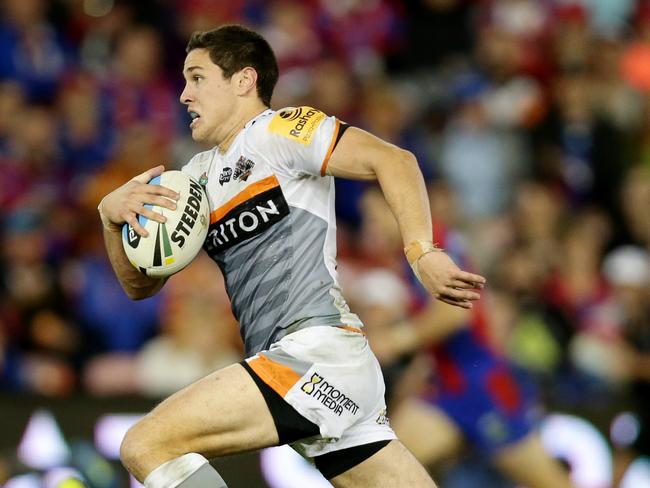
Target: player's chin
[{"x": 198, "y": 135}]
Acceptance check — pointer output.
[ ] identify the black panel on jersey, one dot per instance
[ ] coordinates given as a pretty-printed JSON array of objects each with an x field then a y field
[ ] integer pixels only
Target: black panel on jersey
[{"x": 247, "y": 220}]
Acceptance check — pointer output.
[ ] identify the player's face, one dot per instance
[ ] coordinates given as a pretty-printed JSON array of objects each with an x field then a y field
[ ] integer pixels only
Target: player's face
[{"x": 208, "y": 95}]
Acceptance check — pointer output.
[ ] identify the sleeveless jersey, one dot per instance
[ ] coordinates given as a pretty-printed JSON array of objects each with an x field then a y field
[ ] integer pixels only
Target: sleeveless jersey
[{"x": 272, "y": 224}]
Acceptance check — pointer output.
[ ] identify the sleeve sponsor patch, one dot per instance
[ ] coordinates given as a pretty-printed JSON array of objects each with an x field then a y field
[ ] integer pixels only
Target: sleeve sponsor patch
[{"x": 299, "y": 123}]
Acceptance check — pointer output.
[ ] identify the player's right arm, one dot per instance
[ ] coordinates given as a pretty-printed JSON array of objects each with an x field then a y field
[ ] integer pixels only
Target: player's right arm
[
  {"x": 123, "y": 205},
  {"x": 361, "y": 155}
]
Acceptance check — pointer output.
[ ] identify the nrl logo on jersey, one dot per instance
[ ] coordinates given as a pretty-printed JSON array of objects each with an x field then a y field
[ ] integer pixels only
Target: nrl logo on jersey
[
  {"x": 243, "y": 169},
  {"x": 225, "y": 175}
]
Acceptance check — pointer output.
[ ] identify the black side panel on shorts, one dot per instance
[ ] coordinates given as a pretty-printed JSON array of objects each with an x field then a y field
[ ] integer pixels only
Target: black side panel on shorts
[
  {"x": 291, "y": 426},
  {"x": 334, "y": 463}
]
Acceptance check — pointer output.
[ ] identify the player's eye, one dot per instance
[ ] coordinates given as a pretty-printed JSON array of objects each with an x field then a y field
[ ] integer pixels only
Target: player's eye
[{"x": 196, "y": 78}]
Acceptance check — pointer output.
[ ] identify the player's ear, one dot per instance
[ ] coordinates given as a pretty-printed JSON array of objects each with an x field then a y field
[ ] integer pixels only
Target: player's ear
[{"x": 245, "y": 80}]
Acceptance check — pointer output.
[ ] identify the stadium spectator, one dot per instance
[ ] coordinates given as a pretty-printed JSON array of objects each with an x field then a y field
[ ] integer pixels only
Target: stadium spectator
[
  {"x": 32, "y": 52},
  {"x": 475, "y": 396}
]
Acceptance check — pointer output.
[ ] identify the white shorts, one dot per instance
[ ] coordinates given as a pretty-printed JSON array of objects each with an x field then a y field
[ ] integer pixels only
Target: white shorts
[{"x": 331, "y": 377}]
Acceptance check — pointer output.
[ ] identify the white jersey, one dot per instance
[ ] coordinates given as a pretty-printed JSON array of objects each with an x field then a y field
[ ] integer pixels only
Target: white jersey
[{"x": 272, "y": 224}]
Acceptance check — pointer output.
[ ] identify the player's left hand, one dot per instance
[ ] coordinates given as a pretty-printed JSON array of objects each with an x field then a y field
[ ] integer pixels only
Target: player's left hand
[{"x": 447, "y": 282}]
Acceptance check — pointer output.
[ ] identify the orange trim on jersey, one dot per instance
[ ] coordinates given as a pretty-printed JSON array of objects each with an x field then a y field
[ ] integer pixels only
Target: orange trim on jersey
[
  {"x": 278, "y": 376},
  {"x": 323, "y": 168},
  {"x": 352, "y": 329},
  {"x": 243, "y": 196}
]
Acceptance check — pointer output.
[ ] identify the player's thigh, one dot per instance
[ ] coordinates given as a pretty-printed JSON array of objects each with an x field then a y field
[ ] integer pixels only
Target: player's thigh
[
  {"x": 391, "y": 467},
  {"x": 426, "y": 431},
  {"x": 220, "y": 414},
  {"x": 527, "y": 462}
]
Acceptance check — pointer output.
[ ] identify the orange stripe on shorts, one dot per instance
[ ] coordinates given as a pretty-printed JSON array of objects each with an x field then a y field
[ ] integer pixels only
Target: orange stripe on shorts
[{"x": 278, "y": 376}]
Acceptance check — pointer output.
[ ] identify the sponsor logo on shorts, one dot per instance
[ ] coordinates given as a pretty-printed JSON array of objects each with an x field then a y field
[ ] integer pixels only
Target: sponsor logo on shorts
[
  {"x": 311, "y": 384},
  {"x": 328, "y": 395},
  {"x": 382, "y": 418}
]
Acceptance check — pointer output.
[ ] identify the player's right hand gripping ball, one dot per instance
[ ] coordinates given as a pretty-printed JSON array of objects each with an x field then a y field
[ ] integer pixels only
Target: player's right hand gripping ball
[{"x": 171, "y": 246}]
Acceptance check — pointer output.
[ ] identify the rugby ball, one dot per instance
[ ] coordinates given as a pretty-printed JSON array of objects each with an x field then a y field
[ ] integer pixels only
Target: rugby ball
[{"x": 171, "y": 246}]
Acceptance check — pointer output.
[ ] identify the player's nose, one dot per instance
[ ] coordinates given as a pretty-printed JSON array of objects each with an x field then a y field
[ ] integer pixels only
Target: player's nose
[{"x": 185, "y": 97}]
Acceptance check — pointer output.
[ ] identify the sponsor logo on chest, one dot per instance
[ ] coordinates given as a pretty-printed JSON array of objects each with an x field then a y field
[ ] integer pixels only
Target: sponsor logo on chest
[
  {"x": 249, "y": 213},
  {"x": 243, "y": 169}
]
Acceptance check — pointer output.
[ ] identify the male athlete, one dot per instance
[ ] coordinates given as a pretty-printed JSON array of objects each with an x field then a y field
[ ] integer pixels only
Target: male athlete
[
  {"x": 310, "y": 378},
  {"x": 474, "y": 398}
]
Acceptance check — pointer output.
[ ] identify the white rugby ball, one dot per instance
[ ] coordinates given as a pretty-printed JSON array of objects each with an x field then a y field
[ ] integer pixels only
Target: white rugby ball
[{"x": 171, "y": 246}]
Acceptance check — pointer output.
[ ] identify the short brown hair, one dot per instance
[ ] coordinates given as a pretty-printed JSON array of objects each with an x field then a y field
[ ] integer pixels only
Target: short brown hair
[{"x": 233, "y": 47}]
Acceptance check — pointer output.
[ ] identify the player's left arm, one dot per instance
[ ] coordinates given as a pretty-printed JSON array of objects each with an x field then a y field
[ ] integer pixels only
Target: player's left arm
[
  {"x": 361, "y": 155},
  {"x": 431, "y": 326}
]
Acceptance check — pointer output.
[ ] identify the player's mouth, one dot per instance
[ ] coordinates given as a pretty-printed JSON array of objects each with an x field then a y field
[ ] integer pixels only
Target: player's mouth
[{"x": 195, "y": 118}]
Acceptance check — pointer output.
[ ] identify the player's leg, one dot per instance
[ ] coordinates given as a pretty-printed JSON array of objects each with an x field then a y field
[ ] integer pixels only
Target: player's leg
[
  {"x": 393, "y": 466},
  {"x": 220, "y": 414},
  {"x": 527, "y": 462},
  {"x": 426, "y": 431}
]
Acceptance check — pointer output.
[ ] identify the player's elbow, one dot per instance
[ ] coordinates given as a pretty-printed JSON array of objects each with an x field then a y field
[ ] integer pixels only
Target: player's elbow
[
  {"x": 137, "y": 293},
  {"x": 400, "y": 165},
  {"x": 408, "y": 159},
  {"x": 405, "y": 160}
]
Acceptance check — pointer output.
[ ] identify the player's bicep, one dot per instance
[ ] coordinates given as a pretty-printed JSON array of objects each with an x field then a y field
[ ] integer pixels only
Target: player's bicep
[{"x": 357, "y": 155}]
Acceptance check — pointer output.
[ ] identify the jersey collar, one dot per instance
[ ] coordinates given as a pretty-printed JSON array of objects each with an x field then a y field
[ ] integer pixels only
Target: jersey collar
[{"x": 258, "y": 116}]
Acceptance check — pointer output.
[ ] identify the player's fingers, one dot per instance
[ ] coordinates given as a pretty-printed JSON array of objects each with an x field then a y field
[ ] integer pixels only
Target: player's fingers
[
  {"x": 464, "y": 285},
  {"x": 456, "y": 303},
  {"x": 477, "y": 281},
  {"x": 459, "y": 295},
  {"x": 132, "y": 220},
  {"x": 149, "y": 174},
  {"x": 163, "y": 191},
  {"x": 151, "y": 215},
  {"x": 161, "y": 201}
]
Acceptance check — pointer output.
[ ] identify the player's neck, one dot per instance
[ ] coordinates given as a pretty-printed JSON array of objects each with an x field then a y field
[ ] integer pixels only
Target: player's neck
[{"x": 236, "y": 124}]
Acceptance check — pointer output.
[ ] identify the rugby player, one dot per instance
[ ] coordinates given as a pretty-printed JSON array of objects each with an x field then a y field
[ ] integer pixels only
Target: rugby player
[
  {"x": 474, "y": 398},
  {"x": 310, "y": 378}
]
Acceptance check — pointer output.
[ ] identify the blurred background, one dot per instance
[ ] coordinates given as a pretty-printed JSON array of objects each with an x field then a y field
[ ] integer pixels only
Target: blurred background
[{"x": 531, "y": 123}]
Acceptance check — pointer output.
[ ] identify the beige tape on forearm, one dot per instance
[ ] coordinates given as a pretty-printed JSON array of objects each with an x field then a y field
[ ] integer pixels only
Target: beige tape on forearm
[{"x": 415, "y": 250}]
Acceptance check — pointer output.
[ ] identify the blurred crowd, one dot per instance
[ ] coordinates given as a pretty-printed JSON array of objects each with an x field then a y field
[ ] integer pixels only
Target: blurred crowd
[{"x": 530, "y": 120}]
